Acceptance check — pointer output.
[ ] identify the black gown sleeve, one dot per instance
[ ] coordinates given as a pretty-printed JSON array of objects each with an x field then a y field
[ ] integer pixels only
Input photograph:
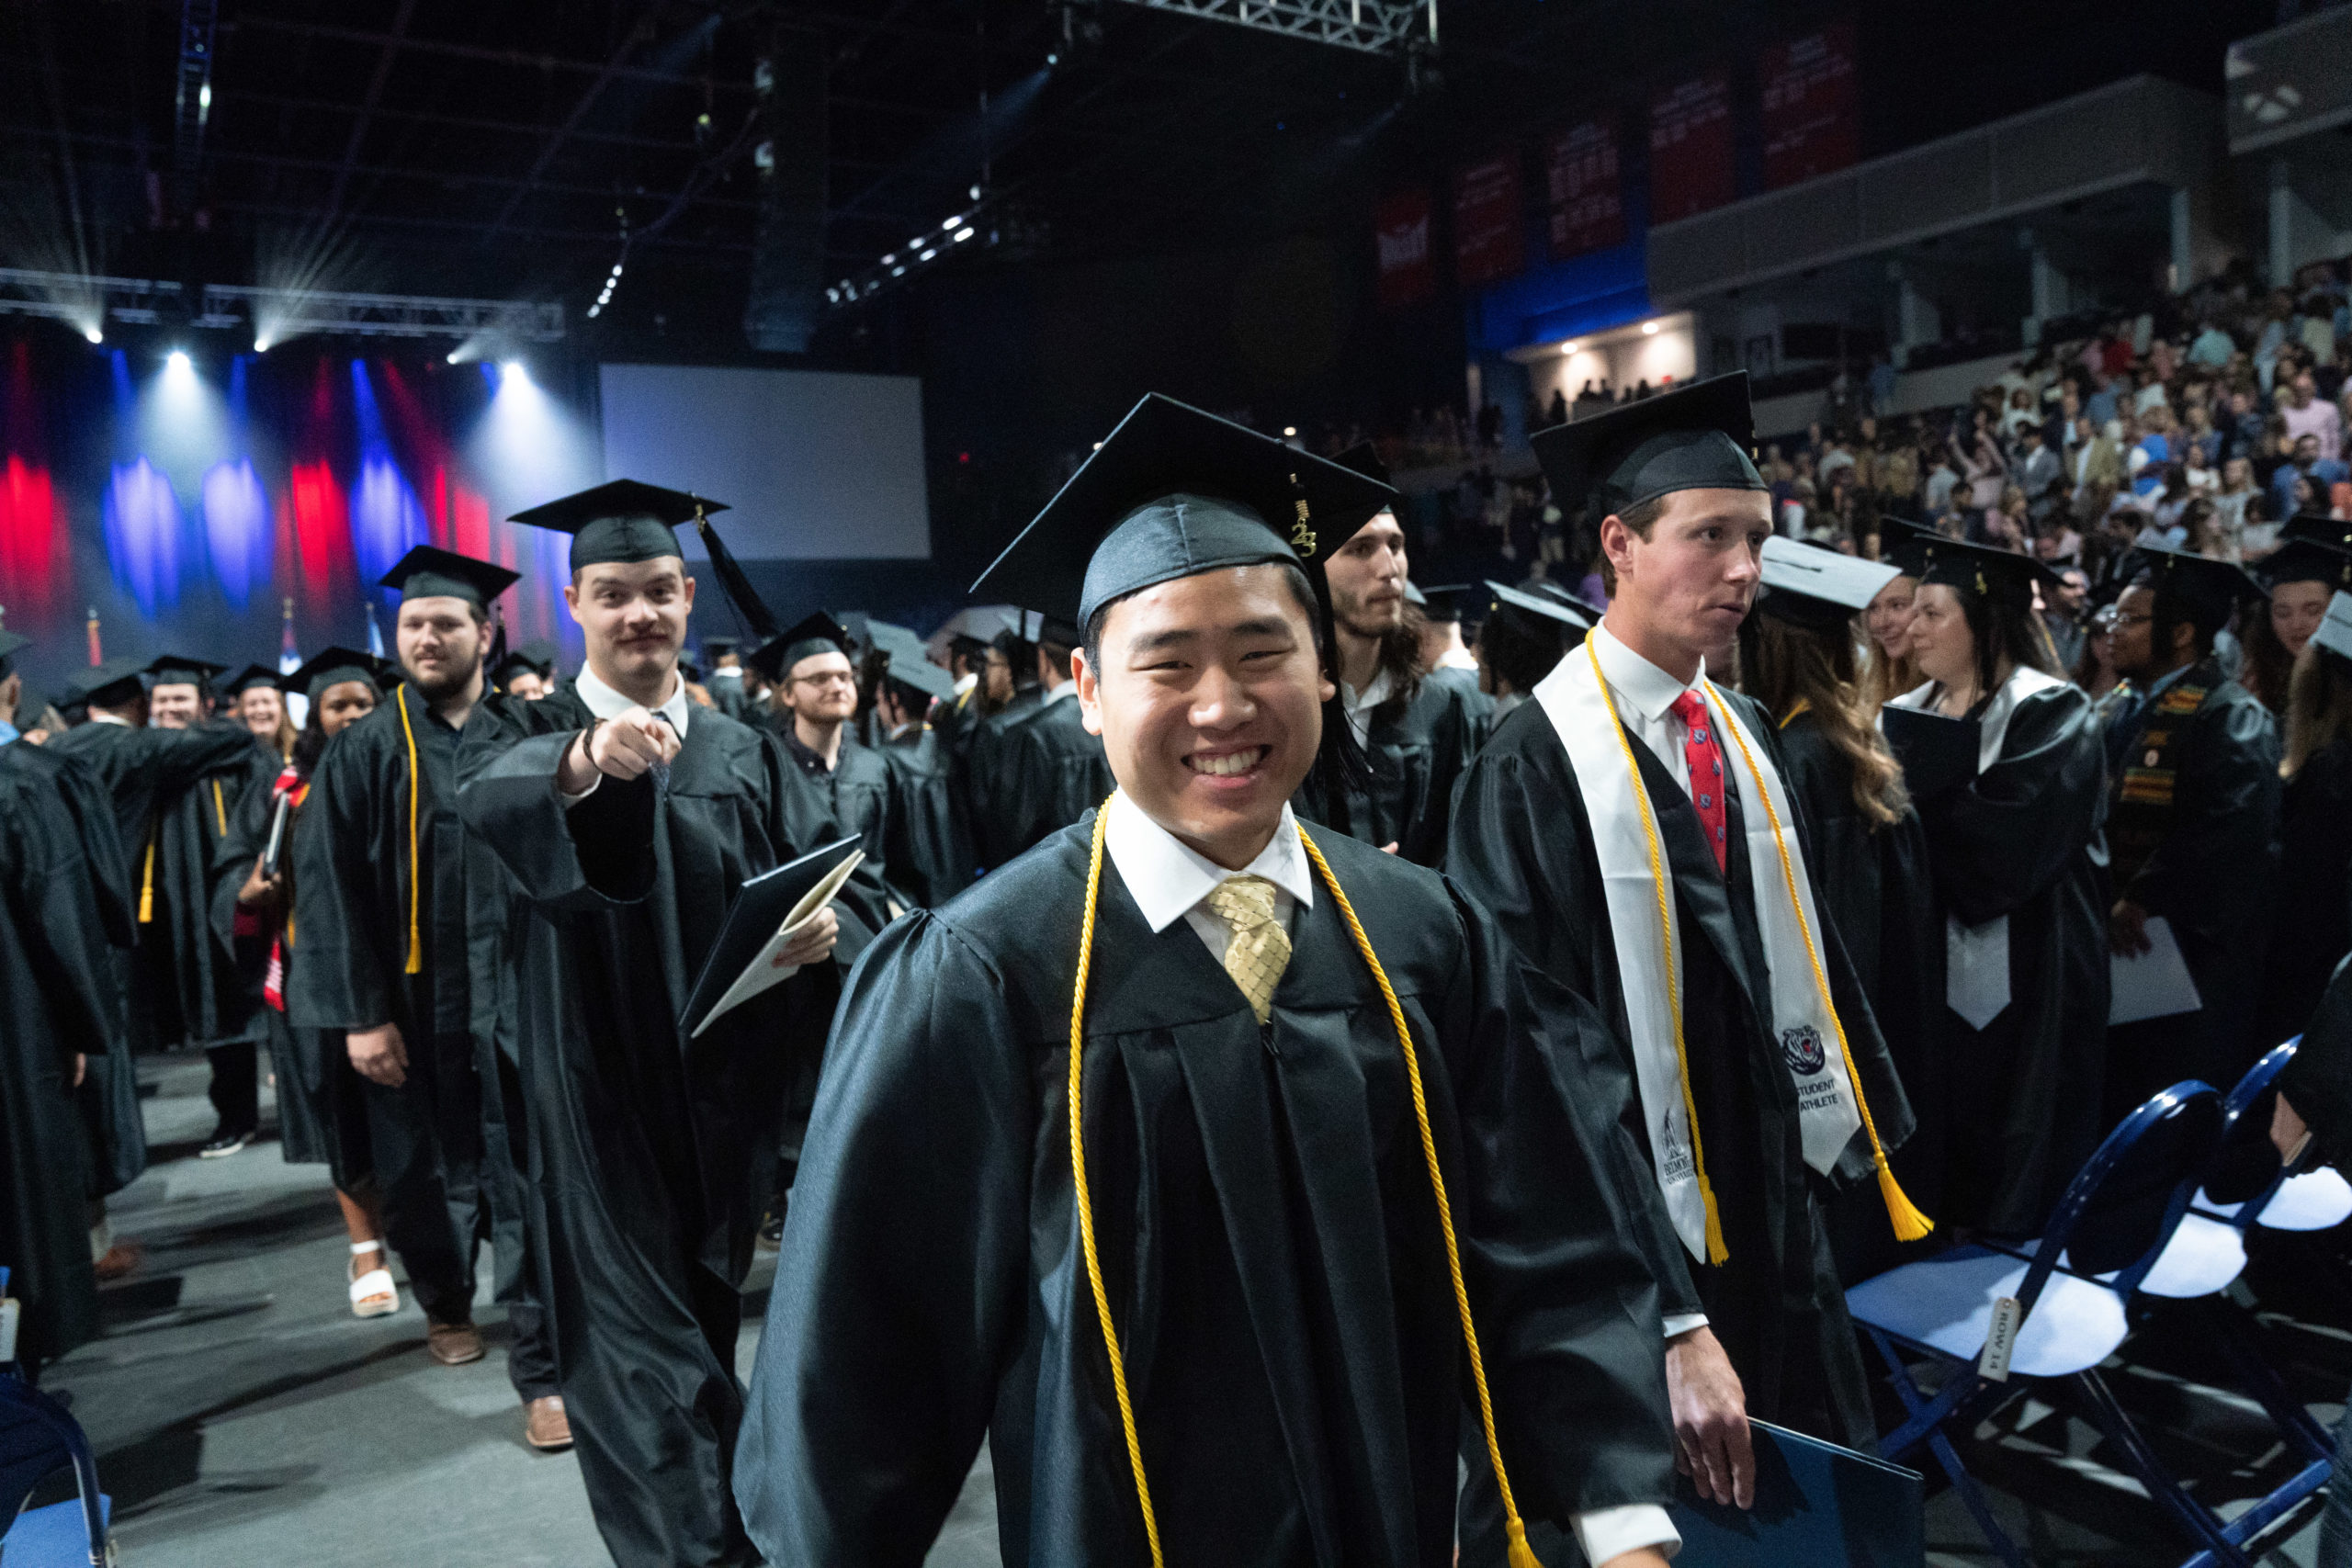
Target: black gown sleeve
[
  {"x": 900, "y": 1291},
  {"x": 344, "y": 980},
  {"x": 2225, "y": 821},
  {"x": 1570, "y": 1329},
  {"x": 2318, "y": 1081},
  {"x": 2002, "y": 837},
  {"x": 580, "y": 856},
  {"x": 69, "y": 939}
]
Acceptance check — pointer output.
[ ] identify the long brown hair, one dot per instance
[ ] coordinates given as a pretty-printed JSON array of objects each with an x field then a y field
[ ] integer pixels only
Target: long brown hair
[
  {"x": 1884, "y": 678},
  {"x": 2269, "y": 669},
  {"x": 2319, "y": 707},
  {"x": 1792, "y": 669}
]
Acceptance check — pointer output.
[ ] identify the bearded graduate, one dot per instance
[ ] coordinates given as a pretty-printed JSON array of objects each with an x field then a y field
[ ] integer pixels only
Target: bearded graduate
[
  {"x": 626, "y": 820},
  {"x": 1633, "y": 832},
  {"x": 1179, "y": 1157},
  {"x": 815, "y": 698}
]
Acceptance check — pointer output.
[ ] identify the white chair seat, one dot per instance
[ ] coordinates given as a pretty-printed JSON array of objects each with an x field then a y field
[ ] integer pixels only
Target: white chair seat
[
  {"x": 2316, "y": 1201},
  {"x": 1946, "y": 1302},
  {"x": 2203, "y": 1256}
]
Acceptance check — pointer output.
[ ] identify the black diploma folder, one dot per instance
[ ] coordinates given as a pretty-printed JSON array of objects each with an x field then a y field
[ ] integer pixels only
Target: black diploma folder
[
  {"x": 759, "y": 911},
  {"x": 1936, "y": 752},
  {"x": 1817, "y": 1505}
]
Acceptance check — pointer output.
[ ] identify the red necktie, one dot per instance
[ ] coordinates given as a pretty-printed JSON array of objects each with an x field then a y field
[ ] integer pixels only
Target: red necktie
[{"x": 1705, "y": 755}]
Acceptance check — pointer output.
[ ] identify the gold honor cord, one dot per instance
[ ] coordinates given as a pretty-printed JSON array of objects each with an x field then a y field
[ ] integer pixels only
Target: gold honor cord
[
  {"x": 147, "y": 882},
  {"x": 219, "y": 808},
  {"x": 415, "y": 938},
  {"x": 1716, "y": 1251},
  {"x": 1909, "y": 1224},
  {"x": 1520, "y": 1554}
]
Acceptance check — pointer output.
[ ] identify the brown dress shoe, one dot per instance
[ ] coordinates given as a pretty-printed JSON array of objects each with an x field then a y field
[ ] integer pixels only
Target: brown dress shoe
[
  {"x": 453, "y": 1344},
  {"x": 545, "y": 1425},
  {"x": 119, "y": 1259}
]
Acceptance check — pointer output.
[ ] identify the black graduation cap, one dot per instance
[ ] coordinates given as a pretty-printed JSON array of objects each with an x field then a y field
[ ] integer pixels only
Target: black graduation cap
[
  {"x": 11, "y": 643},
  {"x": 1696, "y": 437},
  {"x": 1900, "y": 542},
  {"x": 1546, "y": 608},
  {"x": 717, "y": 648},
  {"x": 1559, "y": 595},
  {"x": 246, "y": 679},
  {"x": 912, "y": 670},
  {"x": 429, "y": 573},
  {"x": 538, "y": 656},
  {"x": 179, "y": 670},
  {"x": 334, "y": 665},
  {"x": 109, "y": 684},
  {"x": 2208, "y": 588},
  {"x": 1174, "y": 493},
  {"x": 1980, "y": 569},
  {"x": 2302, "y": 561},
  {"x": 624, "y": 520},
  {"x": 812, "y": 634},
  {"x": 689, "y": 671},
  {"x": 1812, "y": 586},
  {"x": 1443, "y": 602},
  {"x": 1365, "y": 458},
  {"x": 2317, "y": 528}
]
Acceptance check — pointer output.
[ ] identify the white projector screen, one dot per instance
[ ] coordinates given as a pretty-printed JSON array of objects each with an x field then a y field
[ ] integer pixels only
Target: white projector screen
[{"x": 817, "y": 465}]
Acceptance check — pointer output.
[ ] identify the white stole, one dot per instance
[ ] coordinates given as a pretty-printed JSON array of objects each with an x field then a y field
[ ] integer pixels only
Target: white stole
[
  {"x": 1976, "y": 958},
  {"x": 1615, "y": 800}
]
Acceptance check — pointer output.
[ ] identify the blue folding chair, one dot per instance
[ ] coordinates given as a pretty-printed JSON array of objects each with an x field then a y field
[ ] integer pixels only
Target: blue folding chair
[
  {"x": 2251, "y": 1186},
  {"x": 39, "y": 1438},
  {"x": 2071, "y": 1289}
]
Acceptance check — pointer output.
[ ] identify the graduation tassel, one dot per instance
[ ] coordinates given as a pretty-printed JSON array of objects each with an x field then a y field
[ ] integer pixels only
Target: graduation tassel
[
  {"x": 415, "y": 964},
  {"x": 740, "y": 591},
  {"x": 147, "y": 886},
  {"x": 1909, "y": 1224}
]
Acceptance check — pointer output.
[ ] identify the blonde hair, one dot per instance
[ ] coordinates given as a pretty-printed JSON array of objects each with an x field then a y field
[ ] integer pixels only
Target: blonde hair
[{"x": 1789, "y": 668}]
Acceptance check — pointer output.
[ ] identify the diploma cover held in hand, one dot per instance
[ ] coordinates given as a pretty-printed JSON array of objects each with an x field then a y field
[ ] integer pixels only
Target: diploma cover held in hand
[
  {"x": 1936, "y": 752},
  {"x": 768, "y": 913},
  {"x": 1817, "y": 1505}
]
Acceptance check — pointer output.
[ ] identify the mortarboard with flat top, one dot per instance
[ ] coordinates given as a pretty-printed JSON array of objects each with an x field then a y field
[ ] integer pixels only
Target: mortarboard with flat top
[
  {"x": 1815, "y": 587},
  {"x": 246, "y": 679},
  {"x": 2306, "y": 561},
  {"x": 2208, "y": 588},
  {"x": 1543, "y": 606},
  {"x": 2317, "y": 528},
  {"x": 11, "y": 643},
  {"x": 334, "y": 666},
  {"x": 179, "y": 670},
  {"x": 812, "y": 634},
  {"x": 1443, "y": 602},
  {"x": 1900, "y": 542},
  {"x": 2334, "y": 630},
  {"x": 624, "y": 521},
  {"x": 909, "y": 668},
  {"x": 429, "y": 573},
  {"x": 1173, "y": 492},
  {"x": 1979, "y": 569},
  {"x": 108, "y": 685},
  {"x": 535, "y": 658},
  {"x": 717, "y": 648},
  {"x": 1365, "y": 458},
  {"x": 1697, "y": 438},
  {"x": 1554, "y": 592}
]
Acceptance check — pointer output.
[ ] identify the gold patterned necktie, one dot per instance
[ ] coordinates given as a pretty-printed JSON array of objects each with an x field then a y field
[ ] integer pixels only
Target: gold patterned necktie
[{"x": 1259, "y": 950}]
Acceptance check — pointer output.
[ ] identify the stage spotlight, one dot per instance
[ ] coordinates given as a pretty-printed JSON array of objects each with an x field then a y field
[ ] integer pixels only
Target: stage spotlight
[
  {"x": 890, "y": 260},
  {"x": 261, "y": 345},
  {"x": 452, "y": 358},
  {"x": 955, "y": 222},
  {"x": 95, "y": 334},
  {"x": 963, "y": 234},
  {"x": 898, "y": 272},
  {"x": 514, "y": 370},
  {"x": 926, "y": 255},
  {"x": 177, "y": 360},
  {"x": 1289, "y": 430},
  {"x": 1650, "y": 328},
  {"x": 1567, "y": 348},
  {"x": 976, "y": 193}
]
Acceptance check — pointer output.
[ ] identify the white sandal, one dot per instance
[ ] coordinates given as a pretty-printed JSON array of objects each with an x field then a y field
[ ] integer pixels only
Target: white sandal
[{"x": 373, "y": 1293}]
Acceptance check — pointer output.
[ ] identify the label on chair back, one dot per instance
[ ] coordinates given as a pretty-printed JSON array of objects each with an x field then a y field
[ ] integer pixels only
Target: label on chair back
[
  {"x": 10, "y": 1310},
  {"x": 1993, "y": 1362}
]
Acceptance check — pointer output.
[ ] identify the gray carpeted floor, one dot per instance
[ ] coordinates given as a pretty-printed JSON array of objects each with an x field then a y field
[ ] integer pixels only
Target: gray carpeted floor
[{"x": 242, "y": 1415}]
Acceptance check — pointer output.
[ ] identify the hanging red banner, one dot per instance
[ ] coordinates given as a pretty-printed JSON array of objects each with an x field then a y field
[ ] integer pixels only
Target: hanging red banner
[
  {"x": 1587, "y": 207},
  {"x": 1400, "y": 231},
  {"x": 1489, "y": 238},
  {"x": 1691, "y": 148},
  {"x": 1811, "y": 120}
]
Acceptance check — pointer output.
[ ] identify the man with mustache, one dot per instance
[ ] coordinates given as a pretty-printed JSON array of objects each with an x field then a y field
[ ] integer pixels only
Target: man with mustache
[
  {"x": 627, "y": 819},
  {"x": 391, "y": 899},
  {"x": 1729, "y": 996}
]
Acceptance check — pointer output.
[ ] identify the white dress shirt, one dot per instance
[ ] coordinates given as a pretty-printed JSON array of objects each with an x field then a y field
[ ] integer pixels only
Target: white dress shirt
[
  {"x": 1168, "y": 880},
  {"x": 607, "y": 704},
  {"x": 1358, "y": 706},
  {"x": 1055, "y": 695},
  {"x": 1646, "y": 696}
]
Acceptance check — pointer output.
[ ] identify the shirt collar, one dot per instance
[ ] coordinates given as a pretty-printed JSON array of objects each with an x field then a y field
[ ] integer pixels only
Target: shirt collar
[
  {"x": 1371, "y": 696},
  {"x": 965, "y": 682},
  {"x": 1067, "y": 688},
  {"x": 1650, "y": 690},
  {"x": 8, "y": 732},
  {"x": 1167, "y": 877},
  {"x": 97, "y": 717},
  {"x": 606, "y": 703}
]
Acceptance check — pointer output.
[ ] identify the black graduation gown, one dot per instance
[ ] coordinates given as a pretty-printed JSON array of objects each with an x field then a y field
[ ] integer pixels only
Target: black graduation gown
[
  {"x": 987, "y": 777},
  {"x": 189, "y": 830},
  {"x": 652, "y": 1156},
  {"x": 2209, "y": 865},
  {"x": 2318, "y": 1080},
  {"x": 1482, "y": 706},
  {"x": 1268, "y": 1239},
  {"x": 929, "y": 852},
  {"x": 856, "y": 789},
  {"x": 321, "y": 1115},
  {"x": 2311, "y": 924},
  {"x": 1522, "y": 847},
  {"x": 1417, "y": 750},
  {"x": 140, "y": 769},
  {"x": 57, "y": 970},
  {"x": 1875, "y": 889},
  {"x": 2021, "y": 1109},
  {"x": 1055, "y": 774}
]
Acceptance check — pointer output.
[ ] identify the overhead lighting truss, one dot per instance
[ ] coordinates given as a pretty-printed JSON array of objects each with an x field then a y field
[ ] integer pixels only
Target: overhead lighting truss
[
  {"x": 281, "y": 313},
  {"x": 1375, "y": 27}
]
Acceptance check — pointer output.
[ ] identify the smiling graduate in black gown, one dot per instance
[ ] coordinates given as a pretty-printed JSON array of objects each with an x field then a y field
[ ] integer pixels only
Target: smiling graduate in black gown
[
  {"x": 1255, "y": 1184},
  {"x": 627, "y": 819}
]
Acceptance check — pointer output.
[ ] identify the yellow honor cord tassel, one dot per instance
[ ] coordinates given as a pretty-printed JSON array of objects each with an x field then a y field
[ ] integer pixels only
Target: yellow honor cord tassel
[
  {"x": 415, "y": 964},
  {"x": 1909, "y": 1224},
  {"x": 219, "y": 808},
  {"x": 147, "y": 886},
  {"x": 1519, "y": 1553},
  {"x": 1086, "y": 1204},
  {"x": 1716, "y": 1251}
]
